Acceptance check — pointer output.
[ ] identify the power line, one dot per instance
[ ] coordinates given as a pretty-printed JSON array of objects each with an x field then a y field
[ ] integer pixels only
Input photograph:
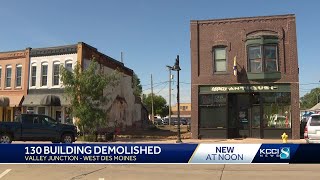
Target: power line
[
  {"x": 162, "y": 88},
  {"x": 155, "y": 86}
]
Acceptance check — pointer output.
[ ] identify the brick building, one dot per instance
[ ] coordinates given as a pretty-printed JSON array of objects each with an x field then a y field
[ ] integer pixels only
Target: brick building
[
  {"x": 245, "y": 77},
  {"x": 13, "y": 82}
]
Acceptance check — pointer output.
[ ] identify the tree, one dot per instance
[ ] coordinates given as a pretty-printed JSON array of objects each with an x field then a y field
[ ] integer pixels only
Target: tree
[
  {"x": 159, "y": 105},
  {"x": 86, "y": 90},
  {"x": 137, "y": 88},
  {"x": 310, "y": 99}
]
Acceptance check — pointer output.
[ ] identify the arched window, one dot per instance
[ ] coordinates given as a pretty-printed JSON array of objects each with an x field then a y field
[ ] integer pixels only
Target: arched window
[
  {"x": 18, "y": 75},
  {"x": 69, "y": 65},
  {"x": 44, "y": 74},
  {"x": 8, "y": 75},
  {"x": 33, "y": 74},
  {"x": 262, "y": 49},
  {"x": 56, "y": 73}
]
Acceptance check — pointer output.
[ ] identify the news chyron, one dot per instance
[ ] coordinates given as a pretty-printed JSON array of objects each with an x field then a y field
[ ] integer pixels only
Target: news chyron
[{"x": 159, "y": 153}]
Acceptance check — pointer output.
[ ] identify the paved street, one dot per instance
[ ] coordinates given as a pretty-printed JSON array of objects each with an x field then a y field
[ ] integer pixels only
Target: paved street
[{"x": 161, "y": 172}]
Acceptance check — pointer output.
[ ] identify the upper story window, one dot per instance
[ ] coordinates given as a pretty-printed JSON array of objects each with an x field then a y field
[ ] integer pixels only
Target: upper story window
[
  {"x": 69, "y": 65},
  {"x": 263, "y": 58},
  {"x": 262, "y": 49},
  {"x": 220, "y": 58},
  {"x": 18, "y": 75},
  {"x": 44, "y": 74},
  {"x": 56, "y": 73},
  {"x": 33, "y": 74},
  {"x": 8, "y": 75}
]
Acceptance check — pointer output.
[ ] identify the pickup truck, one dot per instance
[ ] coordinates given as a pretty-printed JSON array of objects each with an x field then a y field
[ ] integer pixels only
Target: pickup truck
[{"x": 35, "y": 127}]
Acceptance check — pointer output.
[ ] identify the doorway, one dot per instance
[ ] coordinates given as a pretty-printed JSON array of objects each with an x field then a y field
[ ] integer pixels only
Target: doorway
[{"x": 244, "y": 115}]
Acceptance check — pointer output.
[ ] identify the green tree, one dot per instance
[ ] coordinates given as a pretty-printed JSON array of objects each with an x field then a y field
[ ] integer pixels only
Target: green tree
[
  {"x": 310, "y": 99},
  {"x": 137, "y": 88},
  {"x": 86, "y": 90},
  {"x": 159, "y": 104}
]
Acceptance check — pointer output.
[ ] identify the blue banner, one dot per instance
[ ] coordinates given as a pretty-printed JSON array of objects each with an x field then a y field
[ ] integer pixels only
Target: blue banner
[
  {"x": 96, "y": 153},
  {"x": 159, "y": 153}
]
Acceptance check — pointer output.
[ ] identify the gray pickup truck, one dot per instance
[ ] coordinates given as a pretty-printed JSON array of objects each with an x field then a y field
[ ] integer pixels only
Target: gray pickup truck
[{"x": 35, "y": 127}]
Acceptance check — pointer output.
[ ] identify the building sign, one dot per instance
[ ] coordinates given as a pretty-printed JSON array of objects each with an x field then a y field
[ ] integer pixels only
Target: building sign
[{"x": 243, "y": 88}]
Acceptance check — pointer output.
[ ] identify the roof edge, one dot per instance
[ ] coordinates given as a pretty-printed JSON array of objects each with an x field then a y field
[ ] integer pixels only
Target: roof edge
[{"x": 244, "y": 18}]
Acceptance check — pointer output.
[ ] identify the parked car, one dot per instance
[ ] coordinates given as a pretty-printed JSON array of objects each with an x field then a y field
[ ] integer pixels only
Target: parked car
[
  {"x": 157, "y": 121},
  {"x": 303, "y": 123},
  {"x": 183, "y": 122},
  {"x": 35, "y": 127},
  {"x": 312, "y": 129},
  {"x": 165, "y": 121}
]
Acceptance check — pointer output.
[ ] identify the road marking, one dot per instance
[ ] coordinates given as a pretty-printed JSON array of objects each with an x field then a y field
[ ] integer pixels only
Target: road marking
[
  {"x": 101, "y": 179},
  {"x": 4, "y": 173}
]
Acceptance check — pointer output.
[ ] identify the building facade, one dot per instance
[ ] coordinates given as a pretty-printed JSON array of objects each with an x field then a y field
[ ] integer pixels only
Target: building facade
[
  {"x": 245, "y": 77},
  {"x": 42, "y": 91},
  {"x": 13, "y": 82},
  {"x": 185, "y": 111}
]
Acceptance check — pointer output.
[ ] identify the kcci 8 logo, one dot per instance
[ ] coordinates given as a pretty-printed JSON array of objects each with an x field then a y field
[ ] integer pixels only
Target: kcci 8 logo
[{"x": 282, "y": 153}]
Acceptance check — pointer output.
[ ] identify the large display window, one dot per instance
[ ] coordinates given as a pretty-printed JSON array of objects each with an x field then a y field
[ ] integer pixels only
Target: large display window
[{"x": 276, "y": 110}]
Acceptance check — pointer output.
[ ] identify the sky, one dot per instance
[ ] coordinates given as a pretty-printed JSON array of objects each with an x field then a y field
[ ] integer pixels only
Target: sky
[{"x": 150, "y": 33}]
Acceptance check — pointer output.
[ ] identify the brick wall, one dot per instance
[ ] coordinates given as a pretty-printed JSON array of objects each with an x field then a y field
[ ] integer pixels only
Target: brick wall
[{"x": 232, "y": 33}]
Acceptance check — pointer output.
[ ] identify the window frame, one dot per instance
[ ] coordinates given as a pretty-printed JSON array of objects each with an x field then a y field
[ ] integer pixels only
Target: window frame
[
  {"x": 6, "y": 76},
  {"x": 215, "y": 60},
  {"x": 69, "y": 62},
  {"x": 263, "y": 58},
  {"x": 33, "y": 75},
  {"x": 42, "y": 75},
  {"x": 16, "y": 83},
  {"x": 56, "y": 63}
]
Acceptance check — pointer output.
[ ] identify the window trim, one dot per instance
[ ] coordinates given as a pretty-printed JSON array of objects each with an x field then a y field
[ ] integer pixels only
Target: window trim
[
  {"x": 41, "y": 78},
  {"x": 33, "y": 65},
  {"x": 69, "y": 61},
  {"x": 214, "y": 59},
  {"x": 6, "y": 76},
  {"x": 16, "y": 80},
  {"x": 262, "y": 49},
  {"x": 53, "y": 75}
]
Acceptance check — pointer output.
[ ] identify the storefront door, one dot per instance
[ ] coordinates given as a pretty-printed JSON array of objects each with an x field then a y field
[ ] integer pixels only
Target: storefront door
[{"x": 248, "y": 112}]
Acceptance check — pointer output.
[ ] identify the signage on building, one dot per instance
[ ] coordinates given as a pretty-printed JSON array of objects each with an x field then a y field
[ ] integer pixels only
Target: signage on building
[{"x": 243, "y": 88}]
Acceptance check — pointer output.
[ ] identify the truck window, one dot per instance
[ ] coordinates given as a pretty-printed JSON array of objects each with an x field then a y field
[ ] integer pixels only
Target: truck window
[
  {"x": 315, "y": 121},
  {"x": 47, "y": 120},
  {"x": 28, "y": 119}
]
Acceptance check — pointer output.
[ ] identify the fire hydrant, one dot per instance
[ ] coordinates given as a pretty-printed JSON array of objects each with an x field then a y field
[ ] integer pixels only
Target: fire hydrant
[{"x": 284, "y": 137}]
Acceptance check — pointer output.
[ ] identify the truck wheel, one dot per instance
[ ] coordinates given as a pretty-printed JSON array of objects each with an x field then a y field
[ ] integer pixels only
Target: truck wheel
[
  {"x": 5, "y": 139},
  {"x": 67, "y": 138}
]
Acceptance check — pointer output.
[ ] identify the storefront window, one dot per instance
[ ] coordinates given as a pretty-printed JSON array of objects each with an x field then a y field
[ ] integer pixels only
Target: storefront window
[
  {"x": 213, "y": 117},
  {"x": 213, "y": 111},
  {"x": 277, "y": 110}
]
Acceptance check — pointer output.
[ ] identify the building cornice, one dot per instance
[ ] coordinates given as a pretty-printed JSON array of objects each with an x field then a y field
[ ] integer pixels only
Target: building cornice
[{"x": 244, "y": 19}]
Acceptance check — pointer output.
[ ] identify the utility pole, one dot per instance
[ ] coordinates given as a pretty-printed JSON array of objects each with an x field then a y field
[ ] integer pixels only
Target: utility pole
[
  {"x": 170, "y": 77},
  {"x": 152, "y": 111}
]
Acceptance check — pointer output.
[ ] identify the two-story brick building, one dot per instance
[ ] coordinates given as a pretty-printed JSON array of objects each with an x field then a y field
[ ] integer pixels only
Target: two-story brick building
[
  {"x": 13, "y": 82},
  {"x": 245, "y": 77}
]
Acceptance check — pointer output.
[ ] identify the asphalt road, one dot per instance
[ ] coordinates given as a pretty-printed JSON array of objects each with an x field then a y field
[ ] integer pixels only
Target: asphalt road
[{"x": 161, "y": 172}]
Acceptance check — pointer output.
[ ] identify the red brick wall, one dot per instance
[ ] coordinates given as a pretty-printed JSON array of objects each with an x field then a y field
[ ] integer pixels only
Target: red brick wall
[{"x": 232, "y": 33}]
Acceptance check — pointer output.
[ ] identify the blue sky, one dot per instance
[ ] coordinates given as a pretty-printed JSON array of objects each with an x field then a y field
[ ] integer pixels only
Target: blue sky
[{"x": 150, "y": 33}]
